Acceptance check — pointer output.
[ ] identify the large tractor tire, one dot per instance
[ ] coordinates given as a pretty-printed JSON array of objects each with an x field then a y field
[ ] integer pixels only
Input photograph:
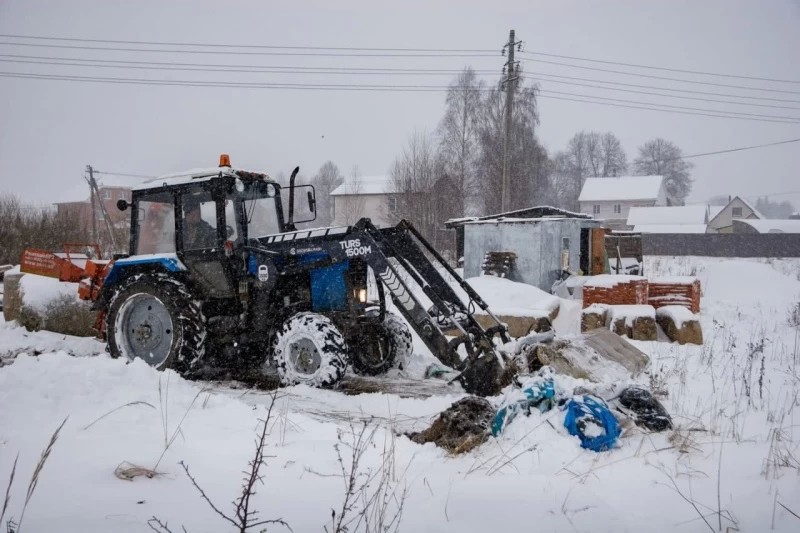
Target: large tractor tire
[
  {"x": 310, "y": 350},
  {"x": 384, "y": 345},
  {"x": 154, "y": 318}
]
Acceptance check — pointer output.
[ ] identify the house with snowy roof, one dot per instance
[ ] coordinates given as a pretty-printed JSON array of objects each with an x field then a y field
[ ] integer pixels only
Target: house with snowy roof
[
  {"x": 374, "y": 197},
  {"x": 669, "y": 219},
  {"x": 611, "y": 199},
  {"x": 737, "y": 209}
]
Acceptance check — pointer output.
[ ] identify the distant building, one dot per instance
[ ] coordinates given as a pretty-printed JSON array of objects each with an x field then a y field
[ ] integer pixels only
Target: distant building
[
  {"x": 611, "y": 199},
  {"x": 373, "y": 197},
  {"x": 82, "y": 211},
  {"x": 546, "y": 240},
  {"x": 737, "y": 209},
  {"x": 669, "y": 219}
]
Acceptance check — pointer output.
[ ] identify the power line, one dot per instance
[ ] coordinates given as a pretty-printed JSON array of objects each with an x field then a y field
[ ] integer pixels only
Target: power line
[
  {"x": 258, "y": 68},
  {"x": 248, "y": 53},
  {"x": 659, "y": 88},
  {"x": 648, "y": 93},
  {"x": 123, "y": 174},
  {"x": 380, "y": 49},
  {"x": 782, "y": 117},
  {"x": 441, "y": 54},
  {"x": 667, "y": 69},
  {"x": 190, "y": 67},
  {"x": 653, "y": 76},
  {"x": 261, "y": 46},
  {"x": 739, "y": 149},
  {"x": 661, "y": 110},
  {"x": 401, "y": 88}
]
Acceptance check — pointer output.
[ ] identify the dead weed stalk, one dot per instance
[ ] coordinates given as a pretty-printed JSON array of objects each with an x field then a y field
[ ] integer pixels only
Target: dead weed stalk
[{"x": 16, "y": 527}]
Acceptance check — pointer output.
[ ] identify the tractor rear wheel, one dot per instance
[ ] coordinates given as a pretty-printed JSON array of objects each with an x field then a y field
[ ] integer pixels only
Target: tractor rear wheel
[
  {"x": 382, "y": 346},
  {"x": 154, "y": 318},
  {"x": 309, "y": 349}
]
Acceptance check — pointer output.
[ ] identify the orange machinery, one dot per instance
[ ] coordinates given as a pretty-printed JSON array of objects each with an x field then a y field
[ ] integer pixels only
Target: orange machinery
[{"x": 78, "y": 263}]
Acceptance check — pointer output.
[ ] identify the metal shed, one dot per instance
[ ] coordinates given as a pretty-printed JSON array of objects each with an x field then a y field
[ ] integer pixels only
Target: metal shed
[{"x": 544, "y": 246}]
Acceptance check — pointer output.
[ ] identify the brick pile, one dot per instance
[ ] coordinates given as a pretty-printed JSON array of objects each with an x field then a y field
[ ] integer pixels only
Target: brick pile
[
  {"x": 675, "y": 291},
  {"x": 629, "y": 290},
  {"x": 636, "y": 290}
]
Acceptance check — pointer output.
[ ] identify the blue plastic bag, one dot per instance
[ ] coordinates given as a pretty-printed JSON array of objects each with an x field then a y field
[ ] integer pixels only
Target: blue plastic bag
[
  {"x": 540, "y": 394},
  {"x": 590, "y": 419}
]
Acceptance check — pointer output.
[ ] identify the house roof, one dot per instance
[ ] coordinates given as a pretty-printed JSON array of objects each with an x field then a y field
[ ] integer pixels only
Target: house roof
[
  {"x": 772, "y": 225},
  {"x": 621, "y": 188},
  {"x": 714, "y": 210},
  {"x": 755, "y": 211},
  {"x": 745, "y": 202},
  {"x": 681, "y": 214},
  {"x": 365, "y": 185}
]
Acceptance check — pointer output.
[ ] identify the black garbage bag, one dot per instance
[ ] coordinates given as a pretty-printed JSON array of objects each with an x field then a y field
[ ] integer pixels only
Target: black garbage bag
[{"x": 647, "y": 410}]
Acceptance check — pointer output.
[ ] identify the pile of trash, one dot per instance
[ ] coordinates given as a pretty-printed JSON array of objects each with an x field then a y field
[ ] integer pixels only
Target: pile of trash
[
  {"x": 596, "y": 421},
  {"x": 582, "y": 376}
]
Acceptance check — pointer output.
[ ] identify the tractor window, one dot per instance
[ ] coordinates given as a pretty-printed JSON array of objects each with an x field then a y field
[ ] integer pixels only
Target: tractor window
[
  {"x": 156, "y": 225},
  {"x": 199, "y": 221},
  {"x": 262, "y": 215},
  {"x": 232, "y": 227}
]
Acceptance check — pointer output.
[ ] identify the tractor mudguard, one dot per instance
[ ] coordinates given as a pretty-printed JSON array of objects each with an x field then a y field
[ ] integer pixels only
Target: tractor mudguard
[{"x": 137, "y": 264}]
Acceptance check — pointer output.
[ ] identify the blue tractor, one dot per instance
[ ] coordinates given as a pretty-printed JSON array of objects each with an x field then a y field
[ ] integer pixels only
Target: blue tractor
[{"x": 219, "y": 276}]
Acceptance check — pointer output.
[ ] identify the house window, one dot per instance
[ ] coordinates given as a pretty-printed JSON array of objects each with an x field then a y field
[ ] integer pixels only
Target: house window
[
  {"x": 617, "y": 209},
  {"x": 121, "y": 196},
  {"x": 736, "y": 212},
  {"x": 106, "y": 195},
  {"x": 596, "y": 209},
  {"x": 393, "y": 204}
]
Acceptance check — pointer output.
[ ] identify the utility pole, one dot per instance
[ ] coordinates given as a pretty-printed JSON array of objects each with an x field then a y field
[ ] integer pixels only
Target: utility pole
[
  {"x": 90, "y": 170},
  {"x": 96, "y": 196},
  {"x": 510, "y": 85}
]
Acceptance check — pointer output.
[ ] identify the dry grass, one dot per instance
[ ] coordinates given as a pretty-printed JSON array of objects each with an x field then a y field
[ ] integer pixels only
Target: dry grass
[
  {"x": 64, "y": 315},
  {"x": 244, "y": 517},
  {"x": 373, "y": 499},
  {"x": 34, "y": 482}
]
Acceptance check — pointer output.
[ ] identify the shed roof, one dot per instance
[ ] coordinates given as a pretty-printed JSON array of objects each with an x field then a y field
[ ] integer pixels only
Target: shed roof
[
  {"x": 537, "y": 212},
  {"x": 670, "y": 228},
  {"x": 621, "y": 188},
  {"x": 772, "y": 225}
]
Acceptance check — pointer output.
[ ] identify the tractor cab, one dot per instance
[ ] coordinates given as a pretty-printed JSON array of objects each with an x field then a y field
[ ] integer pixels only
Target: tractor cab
[{"x": 206, "y": 217}]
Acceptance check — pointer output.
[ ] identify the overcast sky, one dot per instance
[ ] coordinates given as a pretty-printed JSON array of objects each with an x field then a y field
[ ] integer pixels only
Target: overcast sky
[{"x": 50, "y": 129}]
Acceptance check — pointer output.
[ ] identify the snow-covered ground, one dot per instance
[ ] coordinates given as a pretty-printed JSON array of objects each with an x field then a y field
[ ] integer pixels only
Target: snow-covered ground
[{"x": 732, "y": 462}]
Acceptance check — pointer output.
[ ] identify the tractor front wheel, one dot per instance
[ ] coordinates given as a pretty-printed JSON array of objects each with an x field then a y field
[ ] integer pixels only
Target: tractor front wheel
[
  {"x": 383, "y": 346},
  {"x": 309, "y": 349},
  {"x": 154, "y": 318}
]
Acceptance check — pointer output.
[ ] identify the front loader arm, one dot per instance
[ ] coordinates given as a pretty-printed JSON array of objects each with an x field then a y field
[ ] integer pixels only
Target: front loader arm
[{"x": 396, "y": 256}]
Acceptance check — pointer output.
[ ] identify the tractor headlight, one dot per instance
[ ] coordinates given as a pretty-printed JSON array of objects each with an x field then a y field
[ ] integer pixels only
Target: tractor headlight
[{"x": 362, "y": 295}]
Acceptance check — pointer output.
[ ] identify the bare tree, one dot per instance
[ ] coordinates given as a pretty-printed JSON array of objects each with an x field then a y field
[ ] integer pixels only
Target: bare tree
[
  {"x": 458, "y": 136},
  {"x": 327, "y": 178},
  {"x": 422, "y": 189},
  {"x": 663, "y": 158},
  {"x": 28, "y": 226},
  {"x": 528, "y": 164},
  {"x": 353, "y": 202},
  {"x": 614, "y": 160},
  {"x": 588, "y": 154}
]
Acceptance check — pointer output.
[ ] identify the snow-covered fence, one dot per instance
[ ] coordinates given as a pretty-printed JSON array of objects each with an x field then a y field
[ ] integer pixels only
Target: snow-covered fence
[{"x": 722, "y": 244}]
